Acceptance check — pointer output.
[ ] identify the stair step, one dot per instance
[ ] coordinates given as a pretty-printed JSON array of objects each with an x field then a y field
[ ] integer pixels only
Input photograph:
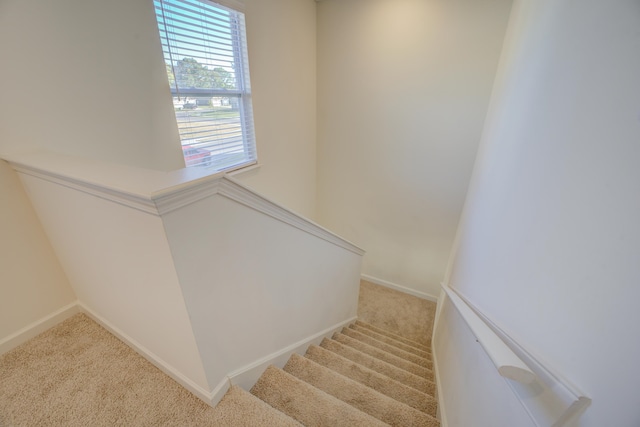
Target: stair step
[
  {"x": 392, "y": 341},
  {"x": 409, "y": 379},
  {"x": 239, "y": 408},
  {"x": 375, "y": 380},
  {"x": 383, "y": 355},
  {"x": 307, "y": 404},
  {"x": 388, "y": 348},
  {"x": 355, "y": 394},
  {"x": 394, "y": 336}
]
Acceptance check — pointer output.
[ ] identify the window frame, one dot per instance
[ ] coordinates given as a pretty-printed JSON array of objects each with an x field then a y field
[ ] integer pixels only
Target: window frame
[{"x": 240, "y": 66}]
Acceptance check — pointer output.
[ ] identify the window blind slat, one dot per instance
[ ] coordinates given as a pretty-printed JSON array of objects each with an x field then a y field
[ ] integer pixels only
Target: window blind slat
[
  {"x": 200, "y": 54},
  {"x": 202, "y": 19},
  {"x": 204, "y": 46},
  {"x": 224, "y": 32},
  {"x": 198, "y": 6},
  {"x": 196, "y": 44}
]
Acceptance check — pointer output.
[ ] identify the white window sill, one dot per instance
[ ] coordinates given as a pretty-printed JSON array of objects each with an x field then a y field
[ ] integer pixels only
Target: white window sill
[{"x": 244, "y": 169}]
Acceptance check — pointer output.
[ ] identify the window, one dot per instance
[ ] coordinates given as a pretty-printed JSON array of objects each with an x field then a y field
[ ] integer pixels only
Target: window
[{"x": 205, "y": 52}]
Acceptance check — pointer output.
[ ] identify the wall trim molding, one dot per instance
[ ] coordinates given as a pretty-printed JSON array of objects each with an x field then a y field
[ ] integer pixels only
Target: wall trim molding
[
  {"x": 172, "y": 190},
  {"x": 205, "y": 395},
  {"x": 400, "y": 288},
  {"x": 131, "y": 200},
  {"x": 218, "y": 392},
  {"x": 245, "y": 376},
  {"x": 237, "y": 192},
  {"x": 249, "y": 374},
  {"x": 39, "y": 326},
  {"x": 172, "y": 199}
]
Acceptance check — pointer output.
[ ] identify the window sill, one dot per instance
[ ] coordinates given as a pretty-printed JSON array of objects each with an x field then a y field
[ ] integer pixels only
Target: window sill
[{"x": 243, "y": 169}]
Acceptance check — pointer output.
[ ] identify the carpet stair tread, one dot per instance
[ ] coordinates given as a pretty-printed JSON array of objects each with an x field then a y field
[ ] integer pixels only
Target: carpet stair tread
[
  {"x": 306, "y": 403},
  {"x": 423, "y": 384},
  {"x": 381, "y": 331},
  {"x": 383, "y": 355},
  {"x": 392, "y": 341},
  {"x": 364, "y": 398},
  {"x": 426, "y": 363},
  {"x": 375, "y": 380},
  {"x": 239, "y": 408},
  {"x": 362, "y": 376}
]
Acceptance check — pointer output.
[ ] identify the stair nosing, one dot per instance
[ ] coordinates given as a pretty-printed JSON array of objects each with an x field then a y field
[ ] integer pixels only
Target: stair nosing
[
  {"x": 240, "y": 399},
  {"x": 399, "y": 344},
  {"x": 399, "y": 372},
  {"x": 396, "y": 408},
  {"x": 421, "y": 361},
  {"x": 373, "y": 375},
  {"x": 393, "y": 356},
  {"x": 393, "y": 335},
  {"x": 310, "y": 388}
]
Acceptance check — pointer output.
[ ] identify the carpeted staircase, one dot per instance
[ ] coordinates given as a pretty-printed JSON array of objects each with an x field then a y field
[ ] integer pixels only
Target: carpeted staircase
[{"x": 363, "y": 376}]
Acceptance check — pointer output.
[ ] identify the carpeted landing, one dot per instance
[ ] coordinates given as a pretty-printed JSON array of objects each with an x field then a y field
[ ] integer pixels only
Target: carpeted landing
[{"x": 369, "y": 374}]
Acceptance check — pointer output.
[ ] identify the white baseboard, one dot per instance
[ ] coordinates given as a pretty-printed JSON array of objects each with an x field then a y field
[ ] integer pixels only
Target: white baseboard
[
  {"x": 205, "y": 395},
  {"x": 247, "y": 376},
  {"x": 38, "y": 327},
  {"x": 244, "y": 377},
  {"x": 442, "y": 412},
  {"x": 218, "y": 393},
  {"x": 400, "y": 288}
]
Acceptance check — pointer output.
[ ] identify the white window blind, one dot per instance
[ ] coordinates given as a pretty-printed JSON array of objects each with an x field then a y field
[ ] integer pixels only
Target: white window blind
[{"x": 205, "y": 52}]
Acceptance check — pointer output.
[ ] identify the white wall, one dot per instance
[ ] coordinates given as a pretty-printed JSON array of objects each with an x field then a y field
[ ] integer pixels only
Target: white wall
[
  {"x": 403, "y": 88},
  {"x": 282, "y": 55},
  {"x": 79, "y": 77},
  {"x": 203, "y": 276},
  {"x": 121, "y": 268},
  {"x": 548, "y": 244},
  {"x": 32, "y": 283},
  {"x": 254, "y": 284},
  {"x": 87, "y": 78}
]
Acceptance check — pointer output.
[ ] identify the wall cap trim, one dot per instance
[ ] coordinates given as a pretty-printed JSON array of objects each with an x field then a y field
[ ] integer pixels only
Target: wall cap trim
[{"x": 159, "y": 193}]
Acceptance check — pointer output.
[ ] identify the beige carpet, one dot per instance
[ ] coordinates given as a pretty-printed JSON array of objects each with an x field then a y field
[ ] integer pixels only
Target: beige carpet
[
  {"x": 377, "y": 373},
  {"x": 78, "y": 374},
  {"x": 394, "y": 311}
]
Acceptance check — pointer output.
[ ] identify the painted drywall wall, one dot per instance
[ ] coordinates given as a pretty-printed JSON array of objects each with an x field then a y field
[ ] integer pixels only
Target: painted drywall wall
[
  {"x": 281, "y": 35},
  {"x": 32, "y": 282},
  {"x": 87, "y": 78},
  {"x": 83, "y": 78},
  {"x": 121, "y": 268},
  {"x": 548, "y": 244},
  {"x": 403, "y": 89},
  {"x": 254, "y": 284},
  {"x": 184, "y": 266}
]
